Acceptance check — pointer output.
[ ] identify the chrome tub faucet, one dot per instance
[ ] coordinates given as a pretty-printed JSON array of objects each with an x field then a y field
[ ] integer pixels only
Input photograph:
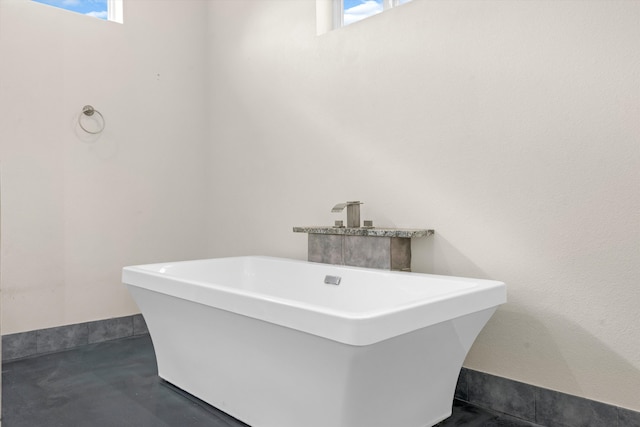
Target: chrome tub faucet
[{"x": 353, "y": 212}]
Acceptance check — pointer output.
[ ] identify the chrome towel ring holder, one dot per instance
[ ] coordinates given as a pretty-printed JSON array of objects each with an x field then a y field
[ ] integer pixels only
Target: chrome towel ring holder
[{"x": 89, "y": 111}]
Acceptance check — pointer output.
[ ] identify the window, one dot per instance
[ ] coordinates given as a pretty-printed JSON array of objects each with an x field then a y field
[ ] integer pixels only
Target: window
[
  {"x": 350, "y": 11},
  {"x": 108, "y": 10}
]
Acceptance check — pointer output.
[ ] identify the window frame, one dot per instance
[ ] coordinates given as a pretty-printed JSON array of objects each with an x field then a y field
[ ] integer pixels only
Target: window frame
[
  {"x": 338, "y": 11},
  {"x": 330, "y": 14},
  {"x": 115, "y": 10}
]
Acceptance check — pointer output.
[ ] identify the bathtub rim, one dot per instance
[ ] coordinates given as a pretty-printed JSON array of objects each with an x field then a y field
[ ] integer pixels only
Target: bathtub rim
[{"x": 348, "y": 327}]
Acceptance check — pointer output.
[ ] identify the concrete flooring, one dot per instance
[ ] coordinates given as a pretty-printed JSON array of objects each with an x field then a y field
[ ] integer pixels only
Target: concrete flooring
[{"x": 115, "y": 384}]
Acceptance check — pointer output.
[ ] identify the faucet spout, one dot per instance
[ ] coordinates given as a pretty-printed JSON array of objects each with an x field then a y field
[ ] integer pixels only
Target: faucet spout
[
  {"x": 353, "y": 212},
  {"x": 339, "y": 207}
]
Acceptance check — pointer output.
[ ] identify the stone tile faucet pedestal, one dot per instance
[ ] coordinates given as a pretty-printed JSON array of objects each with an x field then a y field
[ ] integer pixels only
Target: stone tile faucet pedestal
[{"x": 372, "y": 247}]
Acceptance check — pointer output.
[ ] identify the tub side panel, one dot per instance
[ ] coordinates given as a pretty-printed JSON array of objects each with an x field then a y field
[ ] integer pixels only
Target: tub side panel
[
  {"x": 248, "y": 368},
  {"x": 408, "y": 380},
  {"x": 272, "y": 376}
]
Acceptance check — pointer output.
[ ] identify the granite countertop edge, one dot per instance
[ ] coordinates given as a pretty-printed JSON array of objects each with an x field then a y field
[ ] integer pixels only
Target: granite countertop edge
[{"x": 361, "y": 231}]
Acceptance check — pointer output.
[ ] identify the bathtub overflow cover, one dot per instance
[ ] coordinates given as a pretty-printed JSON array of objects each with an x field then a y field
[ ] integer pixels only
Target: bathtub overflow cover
[{"x": 332, "y": 280}]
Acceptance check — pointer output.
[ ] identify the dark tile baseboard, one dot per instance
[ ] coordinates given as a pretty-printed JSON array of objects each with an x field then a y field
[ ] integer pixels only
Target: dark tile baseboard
[
  {"x": 41, "y": 341},
  {"x": 524, "y": 401},
  {"x": 539, "y": 405}
]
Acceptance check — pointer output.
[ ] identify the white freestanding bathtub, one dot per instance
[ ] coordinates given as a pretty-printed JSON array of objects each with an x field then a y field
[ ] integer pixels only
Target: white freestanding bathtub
[{"x": 269, "y": 342}]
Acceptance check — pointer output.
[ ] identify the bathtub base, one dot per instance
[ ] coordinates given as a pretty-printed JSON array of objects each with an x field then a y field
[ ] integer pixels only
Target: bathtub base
[{"x": 272, "y": 376}]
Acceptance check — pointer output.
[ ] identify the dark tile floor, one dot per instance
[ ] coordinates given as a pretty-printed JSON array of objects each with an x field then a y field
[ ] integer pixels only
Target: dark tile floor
[{"x": 115, "y": 384}]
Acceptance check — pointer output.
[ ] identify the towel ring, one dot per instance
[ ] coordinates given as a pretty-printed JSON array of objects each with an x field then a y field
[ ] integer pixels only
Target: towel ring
[{"x": 89, "y": 111}]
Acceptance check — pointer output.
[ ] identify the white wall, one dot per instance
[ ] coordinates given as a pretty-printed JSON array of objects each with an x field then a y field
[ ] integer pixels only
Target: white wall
[
  {"x": 509, "y": 127},
  {"x": 76, "y": 209}
]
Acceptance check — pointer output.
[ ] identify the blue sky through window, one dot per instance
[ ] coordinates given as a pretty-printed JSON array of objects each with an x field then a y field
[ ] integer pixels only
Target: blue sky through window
[
  {"x": 355, "y": 10},
  {"x": 95, "y": 8}
]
